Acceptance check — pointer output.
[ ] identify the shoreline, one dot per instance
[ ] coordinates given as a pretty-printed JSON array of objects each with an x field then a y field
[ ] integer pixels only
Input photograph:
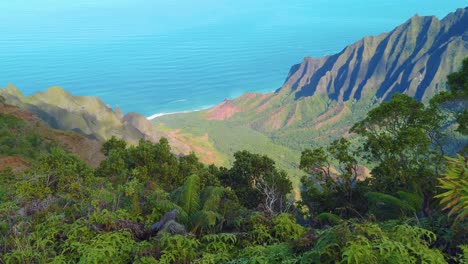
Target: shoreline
[{"x": 151, "y": 117}]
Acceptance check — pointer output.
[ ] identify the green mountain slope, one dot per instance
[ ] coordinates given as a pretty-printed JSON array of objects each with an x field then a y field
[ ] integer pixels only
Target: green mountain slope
[
  {"x": 322, "y": 97},
  {"x": 23, "y": 137},
  {"x": 88, "y": 116}
]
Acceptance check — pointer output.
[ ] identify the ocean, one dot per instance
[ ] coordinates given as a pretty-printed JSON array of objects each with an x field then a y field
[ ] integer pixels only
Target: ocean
[{"x": 167, "y": 56}]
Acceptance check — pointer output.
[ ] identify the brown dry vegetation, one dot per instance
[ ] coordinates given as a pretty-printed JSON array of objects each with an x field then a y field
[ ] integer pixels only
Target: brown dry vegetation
[{"x": 17, "y": 164}]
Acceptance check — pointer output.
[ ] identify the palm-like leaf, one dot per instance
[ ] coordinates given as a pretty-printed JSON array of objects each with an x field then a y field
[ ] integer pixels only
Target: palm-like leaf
[
  {"x": 455, "y": 184},
  {"x": 388, "y": 206},
  {"x": 200, "y": 208},
  {"x": 211, "y": 198},
  {"x": 190, "y": 195},
  {"x": 164, "y": 206},
  {"x": 413, "y": 200},
  {"x": 205, "y": 219}
]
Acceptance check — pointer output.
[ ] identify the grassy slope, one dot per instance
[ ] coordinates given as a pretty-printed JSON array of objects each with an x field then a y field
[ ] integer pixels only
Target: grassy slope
[{"x": 226, "y": 138}]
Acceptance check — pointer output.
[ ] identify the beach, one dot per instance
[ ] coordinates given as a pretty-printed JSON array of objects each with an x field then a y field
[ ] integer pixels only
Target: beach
[{"x": 172, "y": 113}]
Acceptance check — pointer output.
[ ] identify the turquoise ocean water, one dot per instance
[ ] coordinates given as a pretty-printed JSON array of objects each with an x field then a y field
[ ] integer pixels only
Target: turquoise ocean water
[{"x": 177, "y": 55}]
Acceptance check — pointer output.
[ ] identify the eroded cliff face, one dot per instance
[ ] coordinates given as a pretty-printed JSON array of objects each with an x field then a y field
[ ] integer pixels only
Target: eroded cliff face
[{"x": 414, "y": 58}]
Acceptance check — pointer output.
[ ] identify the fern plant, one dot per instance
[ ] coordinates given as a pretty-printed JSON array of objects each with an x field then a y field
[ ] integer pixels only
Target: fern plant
[
  {"x": 286, "y": 229},
  {"x": 200, "y": 206},
  {"x": 109, "y": 247},
  {"x": 178, "y": 249},
  {"x": 386, "y": 206},
  {"x": 275, "y": 253},
  {"x": 218, "y": 248},
  {"x": 455, "y": 184},
  {"x": 372, "y": 243}
]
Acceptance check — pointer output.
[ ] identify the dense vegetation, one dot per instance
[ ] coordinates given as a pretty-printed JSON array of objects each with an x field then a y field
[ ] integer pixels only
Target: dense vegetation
[{"x": 143, "y": 204}]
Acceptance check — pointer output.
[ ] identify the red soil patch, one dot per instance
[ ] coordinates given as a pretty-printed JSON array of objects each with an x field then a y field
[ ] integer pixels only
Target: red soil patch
[
  {"x": 15, "y": 111},
  {"x": 293, "y": 117},
  {"x": 174, "y": 133},
  {"x": 363, "y": 173},
  {"x": 263, "y": 107},
  {"x": 275, "y": 120},
  {"x": 17, "y": 164},
  {"x": 252, "y": 101},
  {"x": 88, "y": 150},
  {"x": 264, "y": 103},
  {"x": 330, "y": 112},
  {"x": 333, "y": 115},
  {"x": 223, "y": 111},
  {"x": 206, "y": 156},
  {"x": 248, "y": 96}
]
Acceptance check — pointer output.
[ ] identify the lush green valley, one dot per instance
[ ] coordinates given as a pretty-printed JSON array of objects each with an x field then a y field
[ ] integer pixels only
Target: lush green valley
[
  {"x": 323, "y": 97},
  {"x": 144, "y": 204}
]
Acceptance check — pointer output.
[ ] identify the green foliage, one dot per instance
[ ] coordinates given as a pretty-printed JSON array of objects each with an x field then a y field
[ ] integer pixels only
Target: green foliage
[
  {"x": 315, "y": 161},
  {"x": 57, "y": 173},
  {"x": 456, "y": 98},
  {"x": 286, "y": 229},
  {"x": 110, "y": 247},
  {"x": 330, "y": 187},
  {"x": 218, "y": 248},
  {"x": 161, "y": 203},
  {"x": 455, "y": 184},
  {"x": 464, "y": 257},
  {"x": 256, "y": 181},
  {"x": 385, "y": 206},
  {"x": 403, "y": 138},
  {"x": 152, "y": 164},
  {"x": 371, "y": 243},
  {"x": 113, "y": 144},
  {"x": 202, "y": 207},
  {"x": 20, "y": 139},
  {"x": 328, "y": 218},
  {"x": 275, "y": 253},
  {"x": 412, "y": 200},
  {"x": 190, "y": 195},
  {"x": 178, "y": 249}
]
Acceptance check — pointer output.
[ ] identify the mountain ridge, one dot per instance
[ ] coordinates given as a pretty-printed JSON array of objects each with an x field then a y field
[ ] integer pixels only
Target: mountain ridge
[
  {"x": 322, "y": 98},
  {"x": 422, "y": 36}
]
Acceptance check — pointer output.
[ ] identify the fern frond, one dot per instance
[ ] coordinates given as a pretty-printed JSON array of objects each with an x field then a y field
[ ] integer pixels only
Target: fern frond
[
  {"x": 329, "y": 218},
  {"x": 190, "y": 195},
  {"x": 211, "y": 197},
  {"x": 413, "y": 200},
  {"x": 455, "y": 184}
]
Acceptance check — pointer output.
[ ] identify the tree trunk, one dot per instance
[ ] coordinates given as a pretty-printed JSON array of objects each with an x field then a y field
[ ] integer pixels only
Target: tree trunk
[{"x": 425, "y": 205}]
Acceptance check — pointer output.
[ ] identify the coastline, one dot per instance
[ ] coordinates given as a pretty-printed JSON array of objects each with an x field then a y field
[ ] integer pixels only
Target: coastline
[{"x": 171, "y": 113}]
